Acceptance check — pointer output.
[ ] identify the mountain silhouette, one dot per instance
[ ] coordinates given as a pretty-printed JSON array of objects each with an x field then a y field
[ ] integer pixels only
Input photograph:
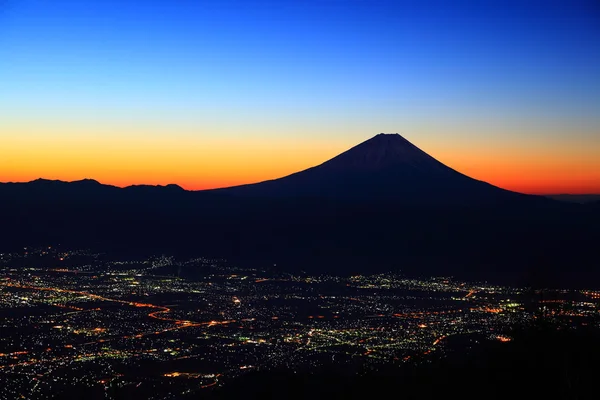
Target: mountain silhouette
[
  {"x": 385, "y": 167},
  {"x": 576, "y": 198},
  {"x": 382, "y": 205}
]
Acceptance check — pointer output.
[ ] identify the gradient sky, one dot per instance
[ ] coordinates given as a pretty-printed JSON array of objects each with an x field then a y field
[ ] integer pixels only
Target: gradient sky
[{"x": 210, "y": 93}]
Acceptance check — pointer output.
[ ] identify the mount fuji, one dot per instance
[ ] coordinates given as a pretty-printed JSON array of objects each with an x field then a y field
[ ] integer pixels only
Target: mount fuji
[
  {"x": 386, "y": 167},
  {"x": 383, "y": 205}
]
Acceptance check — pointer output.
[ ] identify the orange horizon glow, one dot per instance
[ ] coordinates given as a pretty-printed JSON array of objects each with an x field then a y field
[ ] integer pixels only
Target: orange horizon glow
[
  {"x": 146, "y": 155},
  {"x": 539, "y": 179},
  {"x": 526, "y": 185},
  {"x": 215, "y": 95}
]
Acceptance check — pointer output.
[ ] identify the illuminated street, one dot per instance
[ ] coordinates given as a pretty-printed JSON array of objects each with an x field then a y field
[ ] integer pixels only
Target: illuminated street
[{"x": 103, "y": 327}]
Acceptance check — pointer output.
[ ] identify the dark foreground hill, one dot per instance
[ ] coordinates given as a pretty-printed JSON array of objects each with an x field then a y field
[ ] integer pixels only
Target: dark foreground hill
[
  {"x": 548, "y": 365},
  {"x": 433, "y": 221},
  {"x": 577, "y": 198}
]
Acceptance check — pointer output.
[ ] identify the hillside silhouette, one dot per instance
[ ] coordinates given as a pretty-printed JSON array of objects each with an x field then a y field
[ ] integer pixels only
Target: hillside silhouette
[
  {"x": 538, "y": 364},
  {"x": 388, "y": 168},
  {"x": 383, "y": 205}
]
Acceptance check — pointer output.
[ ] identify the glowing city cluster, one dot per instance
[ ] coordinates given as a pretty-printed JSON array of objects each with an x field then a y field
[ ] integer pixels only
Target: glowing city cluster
[{"x": 103, "y": 325}]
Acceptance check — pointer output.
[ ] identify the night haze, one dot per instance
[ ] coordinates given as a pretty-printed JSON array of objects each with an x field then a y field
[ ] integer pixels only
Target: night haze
[
  {"x": 219, "y": 93},
  {"x": 316, "y": 199}
]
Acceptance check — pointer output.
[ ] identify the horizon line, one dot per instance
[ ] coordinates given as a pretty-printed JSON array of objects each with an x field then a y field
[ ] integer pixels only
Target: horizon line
[{"x": 224, "y": 187}]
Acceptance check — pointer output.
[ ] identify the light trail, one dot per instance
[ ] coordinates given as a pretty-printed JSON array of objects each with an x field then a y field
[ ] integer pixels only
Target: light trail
[
  {"x": 438, "y": 340},
  {"x": 154, "y": 314},
  {"x": 179, "y": 324}
]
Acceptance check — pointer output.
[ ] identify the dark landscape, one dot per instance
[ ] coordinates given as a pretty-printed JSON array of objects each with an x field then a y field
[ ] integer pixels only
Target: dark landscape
[
  {"x": 299, "y": 200},
  {"x": 384, "y": 205},
  {"x": 82, "y": 324},
  {"x": 379, "y": 269}
]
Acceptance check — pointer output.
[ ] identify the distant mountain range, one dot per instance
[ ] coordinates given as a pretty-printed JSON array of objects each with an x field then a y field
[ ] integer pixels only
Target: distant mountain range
[
  {"x": 382, "y": 205},
  {"x": 576, "y": 198}
]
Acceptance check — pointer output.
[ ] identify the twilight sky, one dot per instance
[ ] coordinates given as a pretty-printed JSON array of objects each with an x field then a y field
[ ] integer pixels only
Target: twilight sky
[{"x": 208, "y": 93}]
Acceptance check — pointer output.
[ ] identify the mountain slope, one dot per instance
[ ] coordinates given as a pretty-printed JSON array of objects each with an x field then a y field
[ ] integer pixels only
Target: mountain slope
[
  {"x": 384, "y": 205},
  {"x": 385, "y": 167},
  {"x": 576, "y": 198}
]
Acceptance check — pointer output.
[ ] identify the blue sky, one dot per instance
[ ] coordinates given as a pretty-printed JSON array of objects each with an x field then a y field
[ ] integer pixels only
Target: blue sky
[{"x": 516, "y": 73}]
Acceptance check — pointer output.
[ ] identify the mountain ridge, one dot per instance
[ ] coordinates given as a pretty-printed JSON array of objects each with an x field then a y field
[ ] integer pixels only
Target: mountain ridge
[
  {"x": 375, "y": 158},
  {"x": 358, "y": 226},
  {"x": 386, "y": 166}
]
